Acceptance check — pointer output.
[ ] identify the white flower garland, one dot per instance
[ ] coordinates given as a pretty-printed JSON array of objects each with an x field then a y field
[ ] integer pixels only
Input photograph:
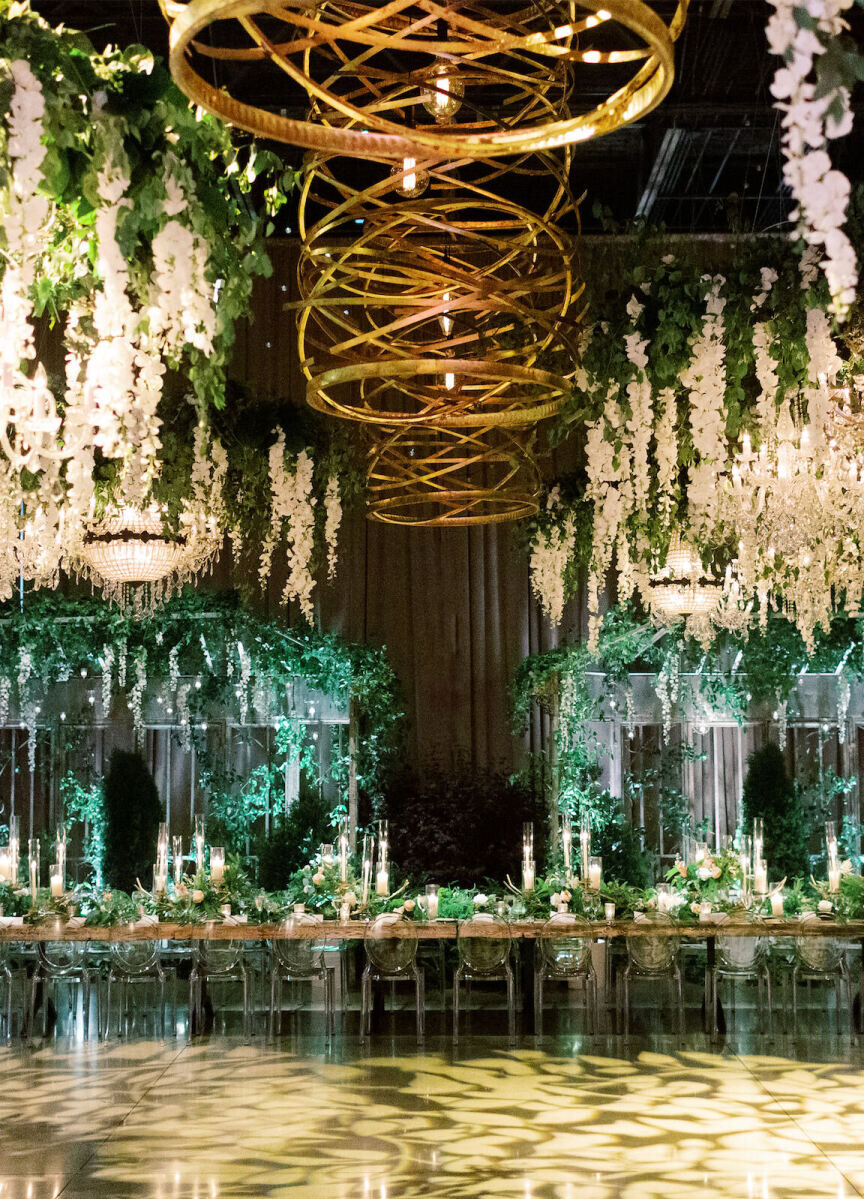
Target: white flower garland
[
  {"x": 705, "y": 379},
  {"x": 668, "y": 681},
  {"x": 136, "y": 698},
  {"x": 809, "y": 122},
  {"x": 332, "y": 524},
  {"x": 551, "y": 552},
  {"x": 844, "y": 695},
  {"x": 107, "y": 662}
]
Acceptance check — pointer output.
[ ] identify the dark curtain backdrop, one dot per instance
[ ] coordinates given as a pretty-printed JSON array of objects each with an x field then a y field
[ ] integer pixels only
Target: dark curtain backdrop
[{"x": 452, "y": 606}]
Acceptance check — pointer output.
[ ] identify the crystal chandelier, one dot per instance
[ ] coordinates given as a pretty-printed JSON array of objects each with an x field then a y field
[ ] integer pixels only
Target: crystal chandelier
[
  {"x": 683, "y": 588},
  {"x": 796, "y": 508},
  {"x": 130, "y": 547}
]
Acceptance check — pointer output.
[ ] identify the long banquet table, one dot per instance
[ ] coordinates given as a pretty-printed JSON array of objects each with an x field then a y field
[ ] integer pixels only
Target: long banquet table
[{"x": 443, "y": 930}]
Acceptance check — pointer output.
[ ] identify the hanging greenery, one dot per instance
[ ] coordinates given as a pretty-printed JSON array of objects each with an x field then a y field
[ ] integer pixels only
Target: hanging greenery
[
  {"x": 681, "y": 373},
  {"x": 241, "y": 665}
]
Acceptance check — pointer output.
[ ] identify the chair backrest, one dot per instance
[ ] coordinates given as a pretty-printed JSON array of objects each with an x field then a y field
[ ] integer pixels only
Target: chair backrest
[
  {"x": 565, "y": 943},
  {"x": 742, "y": 955},
  {"x": 61, "y": 957},
  {"x": 820, "y": 954},
  {"x": 483, "y": 943},
  {"x": 134, "y": 957},
  {"x": 300, "y": 956},
  {"x": 386, "y": 951},
  {"x": 653, "y": 955},
  {"x": 219, "y": 957}
]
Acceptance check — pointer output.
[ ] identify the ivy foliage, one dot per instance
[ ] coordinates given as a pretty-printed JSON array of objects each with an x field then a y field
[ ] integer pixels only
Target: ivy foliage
[
  {"x": 127, "y": 99},
  {"x": 208, "y": 636}
]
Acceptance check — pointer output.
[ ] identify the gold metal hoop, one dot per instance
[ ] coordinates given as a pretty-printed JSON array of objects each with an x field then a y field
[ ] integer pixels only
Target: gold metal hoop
[
  {"x": 448, "y": 477},
  {"x": 369, "y": 68},
  {"x": 448, "y": 309}
]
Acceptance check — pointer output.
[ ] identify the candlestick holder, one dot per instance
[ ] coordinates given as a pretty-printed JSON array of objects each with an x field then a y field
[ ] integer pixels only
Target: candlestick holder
[
  {"x": 217, "y": 865},
  {"x": 199, "y": 842},
  {"x": 585, "y": 845}
]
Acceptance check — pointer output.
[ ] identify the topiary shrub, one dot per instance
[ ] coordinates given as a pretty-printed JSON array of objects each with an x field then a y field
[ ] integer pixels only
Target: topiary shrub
[
  {"x": 461, "y": 826},
  {"x": 770, "y": 793},
  {"x": 133, "y": 811},
  {"x": 293, "y": 839}
]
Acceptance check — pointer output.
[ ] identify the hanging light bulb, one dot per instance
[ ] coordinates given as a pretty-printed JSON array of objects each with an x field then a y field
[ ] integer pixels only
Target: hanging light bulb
[
  {"x": 408, "y": 180},
  {"x": 445, "y": 320},
  {"x": 442, "y": 97}
]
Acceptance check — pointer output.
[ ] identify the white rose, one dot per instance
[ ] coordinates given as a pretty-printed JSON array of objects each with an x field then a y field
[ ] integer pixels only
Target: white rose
[
  {"x": 846, "y": 866},
  {"x": 825, "y": 905},
  {"x": 408, "y": 905},
  {"x": 480, "y": 900}
]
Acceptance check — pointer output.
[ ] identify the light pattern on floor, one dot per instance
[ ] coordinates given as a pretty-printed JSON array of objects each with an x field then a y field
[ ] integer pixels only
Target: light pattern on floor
[{"x": 228, "y": 1120}]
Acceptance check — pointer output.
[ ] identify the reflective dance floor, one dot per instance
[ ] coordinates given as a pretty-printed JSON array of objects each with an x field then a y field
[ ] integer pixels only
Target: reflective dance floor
[{"x": 582, "y": 1119}]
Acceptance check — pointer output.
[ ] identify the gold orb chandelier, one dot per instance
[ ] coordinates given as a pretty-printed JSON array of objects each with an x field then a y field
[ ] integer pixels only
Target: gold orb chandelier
[
  {"x": 683, "y": 588},
  {"x": 458, "y": 64},
  {"x": 438, "y": 476},
  {"x": 453, "y": 308}
]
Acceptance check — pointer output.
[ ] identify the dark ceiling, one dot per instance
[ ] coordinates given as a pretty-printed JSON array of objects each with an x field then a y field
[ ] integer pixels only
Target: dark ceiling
[{"x": 708, "y": 159}]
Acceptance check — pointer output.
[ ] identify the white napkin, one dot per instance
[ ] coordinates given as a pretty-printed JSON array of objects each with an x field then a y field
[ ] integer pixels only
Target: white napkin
[
  {"x": 146, "y": 922},
  {"x": 76, "y": 922},
  {"x": 229, "y": 919}
]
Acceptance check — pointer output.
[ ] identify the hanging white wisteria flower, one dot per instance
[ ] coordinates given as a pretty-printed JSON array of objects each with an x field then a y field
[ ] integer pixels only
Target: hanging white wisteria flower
[
  {"x": 801, "y": 31},
  {"x": 107, "y": 662},
  {"x": 293, "y": 516},
  {"x": 551, "y": 552},
  {"x": 667, "y": 686},
  {"x": 136, "y": 697},
  {"x": 844, "y": 695},
  {"x": 705, "y": 379},
  {"x": 332, "y": 524}
]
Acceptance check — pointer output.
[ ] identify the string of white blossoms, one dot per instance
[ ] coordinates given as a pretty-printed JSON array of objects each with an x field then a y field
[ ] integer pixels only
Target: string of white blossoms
[
  {"x": 551, "y": 551},
  {"x": 28, "y": 416},
  {"x": 800, "y": 31}
]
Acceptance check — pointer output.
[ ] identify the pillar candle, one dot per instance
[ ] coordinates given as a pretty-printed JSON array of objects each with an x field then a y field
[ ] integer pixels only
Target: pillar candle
[
  {"x": 527, "y": 876},
  {"x": 382, "y": 879}
]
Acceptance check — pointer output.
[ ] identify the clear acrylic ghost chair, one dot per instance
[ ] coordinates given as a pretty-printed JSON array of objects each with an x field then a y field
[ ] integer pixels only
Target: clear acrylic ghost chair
[
  {"x": 483, "y": 946},
  {"x": 217, "y": 962},
  {"x": 6, "y": 991},
  {"x": 564, "y": 954},
  {"x": 654, "y": 958},
  {"x": 390, "y": 958},
  {"x": 300, "y": 960},
  {"x": 741, "y": 958},
  {"x": 135, "y": 964},
  {"x": 820, "y": 959},
  {"x": 62, "y": 963}
]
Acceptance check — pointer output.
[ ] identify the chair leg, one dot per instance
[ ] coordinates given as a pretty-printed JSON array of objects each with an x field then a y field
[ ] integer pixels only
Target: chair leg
[
  {"x": 456, "y": 981},
  {"x": 715, "y": 1024},
  {"x": 194, "y": 1017},
  {"x": 795, "y": 1001},
  {"x": 511, "y": 1005},
  {"x": 421, "y": 1005},
  {"x": 680, "y": 997},
  {"x": 85, "y": 1002},
  {"x": 538, "y": 1003},
  {"x": 770, "y": 1007},
  {"x": 365, "y": 1004},
  {"x": 625, "y": 991},
  {"x": 275, "y": 987}
]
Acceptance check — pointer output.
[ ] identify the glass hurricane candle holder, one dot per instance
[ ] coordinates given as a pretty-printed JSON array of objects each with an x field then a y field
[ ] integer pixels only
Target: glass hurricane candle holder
[
  {"x": 199, "y": 841},
  {"x": 14, "y": 849},
  {"x": 33, "y": 851},
  {"x": 777, "y": 903},
  {"x": 382, "y": 879},
  {"x": 56, "y": 880},
  {"x": 432, "y": 901},
  {"x": 595, "y": 873},
  {"x": 664, "y": 897},
  {"x": 5, "y": 865},
  {"x": 585, "y": 845},
  {"x": 834, "y": 878},
  {"x": 567, "y": 844},
  {"x": 177, "y": 856},
  {"x": 326, "y": 854},
  {"x": 217, "y": 865},
  {"x": 528, "y": 842},
  {"x": 760, "y": 878},
  {"x": 527, "y": 875},
  {"x": 758, "y": 840}
]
